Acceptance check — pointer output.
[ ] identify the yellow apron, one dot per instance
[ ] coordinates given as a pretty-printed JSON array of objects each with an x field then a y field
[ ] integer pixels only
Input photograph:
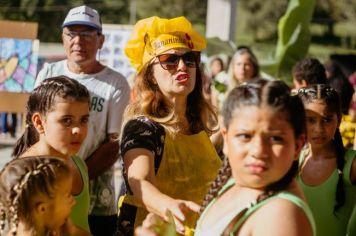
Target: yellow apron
[{"x": 189, "y": 164}]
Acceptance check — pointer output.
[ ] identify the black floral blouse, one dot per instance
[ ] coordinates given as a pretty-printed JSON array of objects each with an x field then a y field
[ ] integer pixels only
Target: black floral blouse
[{"x": 143, "y": 133}]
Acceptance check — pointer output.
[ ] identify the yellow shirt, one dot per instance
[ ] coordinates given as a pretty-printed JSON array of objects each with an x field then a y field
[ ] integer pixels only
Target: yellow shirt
[{"x": 189, "y": 164}]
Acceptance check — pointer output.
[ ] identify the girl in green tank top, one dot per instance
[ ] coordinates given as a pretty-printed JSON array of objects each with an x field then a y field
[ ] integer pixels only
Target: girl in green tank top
[
  {"x": 327, "y": 170},
  {"x": 56, "y": 125}
]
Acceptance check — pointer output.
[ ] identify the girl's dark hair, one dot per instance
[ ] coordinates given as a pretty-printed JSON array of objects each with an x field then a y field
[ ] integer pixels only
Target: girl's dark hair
[
  {"x": 310, "y": 70},
  {"x": 20, "y": 181},
  {"x": 331, "y": 98},
  {"x": 338, "y": 81},
  {"x": 261, "y": 93},
  {"x": 43, "y": 100}
]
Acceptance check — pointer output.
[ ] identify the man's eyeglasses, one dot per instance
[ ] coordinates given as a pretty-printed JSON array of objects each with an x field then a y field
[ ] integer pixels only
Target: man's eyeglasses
[
  {"x": 170, "y": 61},
  {"x": 82, "y": 34}
]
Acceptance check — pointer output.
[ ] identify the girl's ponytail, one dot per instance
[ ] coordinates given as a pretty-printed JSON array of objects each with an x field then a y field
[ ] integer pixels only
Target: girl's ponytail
[
  {"x": 222, "y": 177},
  {"x": 27, "y": 139}
]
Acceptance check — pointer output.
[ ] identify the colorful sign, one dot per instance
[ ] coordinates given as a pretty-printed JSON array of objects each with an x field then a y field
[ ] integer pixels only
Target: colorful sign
[{"x": 18, "y": 64}]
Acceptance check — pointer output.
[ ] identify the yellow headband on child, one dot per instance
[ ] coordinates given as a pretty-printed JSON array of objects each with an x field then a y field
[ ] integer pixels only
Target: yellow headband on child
[{"x": 153, "y": 36}]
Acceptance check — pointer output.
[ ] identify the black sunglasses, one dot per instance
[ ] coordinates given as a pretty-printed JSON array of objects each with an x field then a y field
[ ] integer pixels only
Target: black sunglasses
[{"x": 170, "y": 61}]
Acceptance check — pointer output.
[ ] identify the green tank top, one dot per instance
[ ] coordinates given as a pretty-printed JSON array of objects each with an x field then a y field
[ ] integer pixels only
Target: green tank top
[
  {"x": 285, "y": 195},
  {"x": 321, "y": 200},
  {"x": 80, "y": 210}
]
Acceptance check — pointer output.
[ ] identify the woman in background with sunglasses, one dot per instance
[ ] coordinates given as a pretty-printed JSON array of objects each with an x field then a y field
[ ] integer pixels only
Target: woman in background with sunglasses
[{"x": 168, "y": 158}]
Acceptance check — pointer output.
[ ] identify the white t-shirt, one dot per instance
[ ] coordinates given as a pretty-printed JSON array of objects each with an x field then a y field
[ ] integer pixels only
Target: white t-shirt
[{"x": 110, "y": 94}]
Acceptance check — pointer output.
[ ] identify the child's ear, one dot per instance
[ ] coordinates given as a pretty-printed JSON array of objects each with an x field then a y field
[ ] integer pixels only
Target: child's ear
[
  {"x": 101, "y": 40},
  {"x": 224, "y": 135},
  {"x": 41, "y": 208},
  {"x": 37, "y": 121},
  {"x": 299, "y": 144},
  {"x": 303, "y": 83}
]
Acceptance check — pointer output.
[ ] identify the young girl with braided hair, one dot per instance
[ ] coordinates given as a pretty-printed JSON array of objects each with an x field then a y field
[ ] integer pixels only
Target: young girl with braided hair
[
  {"x": 255, "y": 192},
  {"x": 36, "y": 199},
  {"x": 327, "y": 170},
  {"x": 56, "y": 125}
]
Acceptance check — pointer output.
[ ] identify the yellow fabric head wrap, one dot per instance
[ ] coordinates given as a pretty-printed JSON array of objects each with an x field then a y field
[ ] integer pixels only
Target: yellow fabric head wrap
[{"x": 153, "y": 36}]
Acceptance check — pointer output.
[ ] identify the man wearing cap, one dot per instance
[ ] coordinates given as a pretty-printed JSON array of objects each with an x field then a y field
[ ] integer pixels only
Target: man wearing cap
[{"x": 82, "y": 38}]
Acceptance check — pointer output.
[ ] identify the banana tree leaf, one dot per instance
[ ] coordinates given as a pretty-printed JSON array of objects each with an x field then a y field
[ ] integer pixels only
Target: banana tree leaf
[
  {"x": 293, "y": 36},
  {"x": 269, "y": 67}
]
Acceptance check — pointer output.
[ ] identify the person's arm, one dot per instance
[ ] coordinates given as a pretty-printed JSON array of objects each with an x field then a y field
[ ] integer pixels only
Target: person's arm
[
  {"x": 104, "y": 157},
  {"x": 139, "y": 163}
]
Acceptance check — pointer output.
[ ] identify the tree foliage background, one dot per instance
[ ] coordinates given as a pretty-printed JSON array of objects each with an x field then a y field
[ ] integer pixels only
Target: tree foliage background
[
  {"x": 256, "y": 19},
  {"x": 260, "y": 18},
  {"x": 51, "y": 13}
]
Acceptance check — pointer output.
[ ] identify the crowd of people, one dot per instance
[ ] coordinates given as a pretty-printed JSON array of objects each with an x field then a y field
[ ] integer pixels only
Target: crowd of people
[{"x": 225, "y": 153}]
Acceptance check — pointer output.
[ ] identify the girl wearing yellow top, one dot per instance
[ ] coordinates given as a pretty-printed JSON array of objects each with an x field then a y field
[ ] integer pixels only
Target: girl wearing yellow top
[{"x": 168, "y": 158}]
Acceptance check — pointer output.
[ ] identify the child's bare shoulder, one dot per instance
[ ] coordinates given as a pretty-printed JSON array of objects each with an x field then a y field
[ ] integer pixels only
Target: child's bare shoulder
[{"x": 280, "y": 217}]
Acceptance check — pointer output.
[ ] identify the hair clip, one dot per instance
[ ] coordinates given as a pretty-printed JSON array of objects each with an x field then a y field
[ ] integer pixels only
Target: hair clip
[
  {"x": 318, "y": 90},
  {"x": 302, "y": 91},
  {"x": 329, "y": 91},
  {"x": 39, "y": 166},
  {"x": 294, "y": 92},
  {"x": 249, "y": 85}
]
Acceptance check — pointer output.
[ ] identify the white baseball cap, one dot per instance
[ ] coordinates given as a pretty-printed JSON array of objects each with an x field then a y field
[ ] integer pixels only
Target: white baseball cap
[{"x": 83, "y": 15}]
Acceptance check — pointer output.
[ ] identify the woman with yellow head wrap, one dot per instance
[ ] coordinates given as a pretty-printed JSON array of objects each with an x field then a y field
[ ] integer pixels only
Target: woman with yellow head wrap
[{"x": 169, "y": 160}]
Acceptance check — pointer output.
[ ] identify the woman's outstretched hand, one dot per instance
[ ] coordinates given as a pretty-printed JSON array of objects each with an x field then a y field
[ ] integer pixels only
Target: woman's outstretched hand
[
  {"x": 171, "y": 223},
  {"x": 179, "y": 209}
]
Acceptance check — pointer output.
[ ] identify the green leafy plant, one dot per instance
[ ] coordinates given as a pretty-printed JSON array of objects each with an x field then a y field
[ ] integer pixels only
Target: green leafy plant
[
  {"x": 293, "y": 39},
  {"x": 293, "y": 36}
]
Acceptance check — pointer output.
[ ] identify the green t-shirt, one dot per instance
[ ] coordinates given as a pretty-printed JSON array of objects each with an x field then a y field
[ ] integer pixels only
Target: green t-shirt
[{"x": 285, "y": 195}]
